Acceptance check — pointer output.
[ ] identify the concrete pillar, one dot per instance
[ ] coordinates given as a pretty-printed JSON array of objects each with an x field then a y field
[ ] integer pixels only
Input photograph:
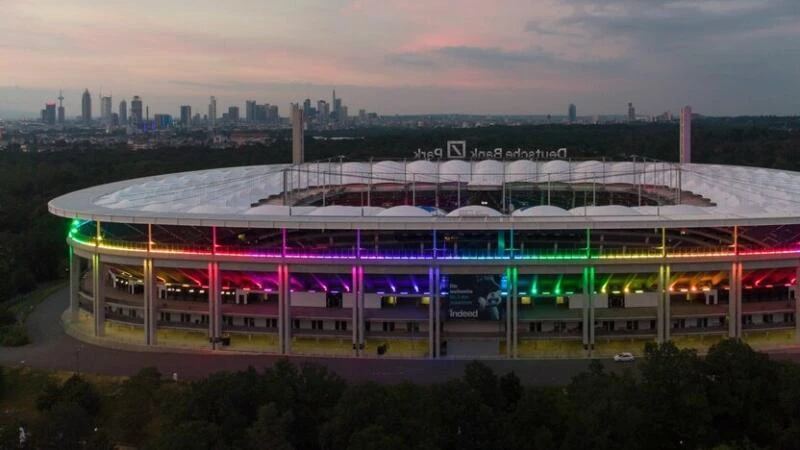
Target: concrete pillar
[
  {"x": 362, "y": 330},
  {"x": 660, "y": 306},
  {"x": 281, "y": 311},
  {"x": 74, "y": 285},
  {"x": 797, "y": 305},
  {"x": 591, "y": 309},
  {"x": 98, "y": 288},
  {"x": 585, "y": 309},
  {"x": 355, "y": 316},
  {"x": 509, "y": 318},
  {"x": 285, "y": 310},
  {"x": 214, "y": 304},
  {"x": 735, "y": 302},
  {"x": 431, "y": 318},
  {"x": 515, "y": 313},
  {"x": 667, "y": 301},
  {"x": 437, "y": 313},
  {"x": 150, "y": 302}
]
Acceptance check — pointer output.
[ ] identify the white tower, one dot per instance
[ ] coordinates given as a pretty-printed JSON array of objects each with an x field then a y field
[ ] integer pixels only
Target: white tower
[
  {"x": 298, "y": 146},
  {"x": 686, "y": 135}
]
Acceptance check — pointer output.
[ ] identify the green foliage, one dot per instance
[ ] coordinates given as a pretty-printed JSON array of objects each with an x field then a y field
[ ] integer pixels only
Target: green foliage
[
  {"x": 135, "y": 405},
  {"x": 74, "y": 390},
  {"x": 734, "y": 398},
  {"x": 14, "y": 335}
]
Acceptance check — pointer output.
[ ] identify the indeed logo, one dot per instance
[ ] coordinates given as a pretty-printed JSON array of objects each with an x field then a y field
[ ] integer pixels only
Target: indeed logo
[{"x": 462, "y": 314}]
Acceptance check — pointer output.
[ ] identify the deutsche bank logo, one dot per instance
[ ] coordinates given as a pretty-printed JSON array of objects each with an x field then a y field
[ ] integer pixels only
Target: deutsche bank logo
[{"x": 456, "y": 149}]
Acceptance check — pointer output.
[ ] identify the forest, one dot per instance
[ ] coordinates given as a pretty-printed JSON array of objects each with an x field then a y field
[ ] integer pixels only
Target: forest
[{"x": 733, "y": 398}]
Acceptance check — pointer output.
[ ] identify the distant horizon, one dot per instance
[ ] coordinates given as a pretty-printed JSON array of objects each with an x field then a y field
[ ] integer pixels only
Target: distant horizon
[{"x": 440, "y": 56}]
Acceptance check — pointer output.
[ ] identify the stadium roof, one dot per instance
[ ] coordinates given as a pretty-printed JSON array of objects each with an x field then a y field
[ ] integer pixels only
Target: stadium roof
[{"x": 225, "y": 197}]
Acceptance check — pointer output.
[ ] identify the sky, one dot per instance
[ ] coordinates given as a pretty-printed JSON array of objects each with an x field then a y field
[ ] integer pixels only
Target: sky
[{"x": 723, "y": 57}]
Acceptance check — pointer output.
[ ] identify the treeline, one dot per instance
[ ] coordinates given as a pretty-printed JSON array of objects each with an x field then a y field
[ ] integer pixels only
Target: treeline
[
  {"x": 32, "y": 247},
  {"x": 734, "y": 398}
]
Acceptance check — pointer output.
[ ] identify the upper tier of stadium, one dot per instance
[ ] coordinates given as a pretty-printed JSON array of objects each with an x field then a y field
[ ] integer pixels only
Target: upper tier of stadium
[{"x": 329, "y": 195}]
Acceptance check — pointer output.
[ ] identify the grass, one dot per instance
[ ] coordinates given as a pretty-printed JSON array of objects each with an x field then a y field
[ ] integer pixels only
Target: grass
[
  {"x": 24, "y": 385},
  {"x": 21, "y": 307},
  {"x": 24, "y": 305}
]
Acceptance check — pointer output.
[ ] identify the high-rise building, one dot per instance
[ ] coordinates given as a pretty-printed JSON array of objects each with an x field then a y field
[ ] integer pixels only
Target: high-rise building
[
  {"x": 123, "y": 112},
  {"x": 186, "y": 115},
  {"x": 273, "y": 115},
  {"x": 343, "y": 116},
  {"x": 298, "y": 145},
  {"x": 250, "y": 111},
  {"x": 362, "y": 116},
  {"x": 136, "y": 111},
  {"x": 631, "y": 112},
  {"x": 323, "y": 113},
  {"x": 162, "y": 121},
  {"x": 105, "y": 109},
  {"x": 307, "y": 109},
  {"x": 233, "y": 113},
  {"x": 262, "y": 113},
  {"x": 60, "y": 106},
  {"x": 212, "y": 112},
  {"x": 49, "y": 113},
  {"x": 686, "y": 134},
  {"x": 572, "y": 113},
  {"x": 86, "y": 106}
]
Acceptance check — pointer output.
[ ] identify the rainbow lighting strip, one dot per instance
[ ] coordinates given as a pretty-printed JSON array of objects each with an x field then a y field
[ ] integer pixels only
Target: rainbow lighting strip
[{"x": 569, "y": 255}]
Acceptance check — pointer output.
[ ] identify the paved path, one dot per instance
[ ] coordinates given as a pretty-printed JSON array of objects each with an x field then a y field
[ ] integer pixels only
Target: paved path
[{"x": 53, "y": 349}]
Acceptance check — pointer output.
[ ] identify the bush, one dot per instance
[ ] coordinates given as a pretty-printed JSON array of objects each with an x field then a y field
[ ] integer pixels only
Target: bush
[
  {"x": 7, "y": 317},
  {"x": 14, "y": 336}
]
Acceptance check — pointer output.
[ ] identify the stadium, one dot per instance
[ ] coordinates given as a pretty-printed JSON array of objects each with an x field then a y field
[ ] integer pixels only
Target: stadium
[{"x": 438, "y": 259}]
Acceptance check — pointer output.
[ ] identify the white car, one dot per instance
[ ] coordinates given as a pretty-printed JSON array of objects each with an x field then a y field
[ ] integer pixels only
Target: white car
[{"x": 624, "y": 357}]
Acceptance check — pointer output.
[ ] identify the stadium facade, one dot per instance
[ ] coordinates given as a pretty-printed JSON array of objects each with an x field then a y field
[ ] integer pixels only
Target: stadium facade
[{"x": 436, "y": 259}]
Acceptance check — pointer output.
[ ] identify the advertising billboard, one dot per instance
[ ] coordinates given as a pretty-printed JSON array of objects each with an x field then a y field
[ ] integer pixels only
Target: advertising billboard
[{"x": 475, "y": 297}]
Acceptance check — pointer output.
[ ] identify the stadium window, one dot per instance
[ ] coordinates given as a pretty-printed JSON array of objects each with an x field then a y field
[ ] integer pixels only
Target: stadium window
[{"x": 296, "y": 324}]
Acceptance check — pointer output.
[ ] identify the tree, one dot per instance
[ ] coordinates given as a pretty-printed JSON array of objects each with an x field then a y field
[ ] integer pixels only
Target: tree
[
  {"x": 271, "y": 430},
  {"x": 743, "y": 389},
  {"x": 66, "y": 426},
  {"x": 74, "y": 390},
  {"x": 602, "y": 412},
  {"x": 673, "y": 398},
  {"x": 375, "y": 437},
  {"x": 135, "y": 406}
]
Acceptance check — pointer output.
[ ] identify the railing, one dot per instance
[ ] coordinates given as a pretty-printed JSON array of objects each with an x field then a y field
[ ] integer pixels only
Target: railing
[{"x": 370, "y": 253}]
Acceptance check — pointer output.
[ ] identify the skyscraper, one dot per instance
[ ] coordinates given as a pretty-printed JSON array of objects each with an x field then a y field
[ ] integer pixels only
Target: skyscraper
[
  {"x": 123, "y": 112},
  {"x": 273, "y": 115},
  {"x": 324, "y": 113},
  {"x": 105, "y": 109},
  {"x": 686, "y": 134},
  {"x": 136, "y": 111},
  {"x": 573, "y": 113},
  {"x": 233, "y": 113},
  {"x": 631, "y": 112},
  {"x": 298, "y": 144},
  {"x": 186, "y": 115},
  {"x": 307, "y": 109},
  {"x": 250, "y": 111},
  {"x": 86, "y": 106},
  {"x": 212, "y": 112},
  {"x": 60, "y": 106},
  {"x": 49, "y": 113}
]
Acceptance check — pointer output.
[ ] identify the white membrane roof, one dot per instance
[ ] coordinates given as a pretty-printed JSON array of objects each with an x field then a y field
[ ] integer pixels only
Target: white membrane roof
[{"x": 225, "y": 197}]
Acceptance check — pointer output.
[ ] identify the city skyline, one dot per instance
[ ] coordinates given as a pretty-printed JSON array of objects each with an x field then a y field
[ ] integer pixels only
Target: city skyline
[{"x": 732, "y": 58}]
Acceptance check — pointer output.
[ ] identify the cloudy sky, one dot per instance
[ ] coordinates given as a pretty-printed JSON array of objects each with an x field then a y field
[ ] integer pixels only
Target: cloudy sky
[{"x": 724, "y": 57}]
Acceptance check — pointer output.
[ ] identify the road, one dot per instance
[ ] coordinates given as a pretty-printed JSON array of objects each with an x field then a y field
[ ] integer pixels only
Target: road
[{"x": 53, "y": 349}]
